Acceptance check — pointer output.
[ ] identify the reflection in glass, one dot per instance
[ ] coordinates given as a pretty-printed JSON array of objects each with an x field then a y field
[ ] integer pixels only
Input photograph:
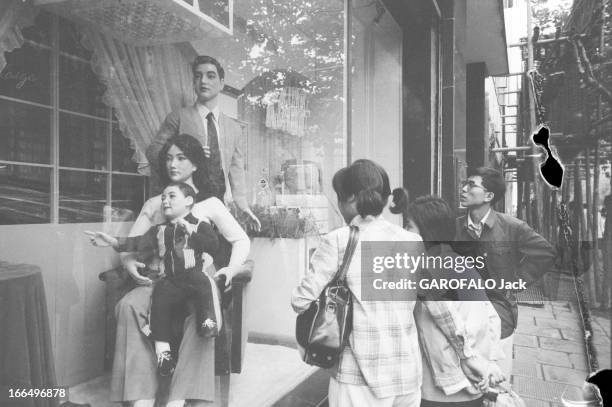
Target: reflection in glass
[
  {"x": 27, "y": 74},
  {"x": 79, "y": 88},
  {"x": 287, "y": 59},
  {"x": 24, "y": 194},
  {"x": 70, "y": 40},
  {"x": 82, "y": 142},
  {"x": 217, "y": 9},
  {"x": 24, "y": 132},
  {"x": 82, "y": 196},
  {"x": 40, "y": 32},
  {"x": 127, "y": 197},
  {"x": 376, "y": 86},
  {"x": 122, "y": 152}
]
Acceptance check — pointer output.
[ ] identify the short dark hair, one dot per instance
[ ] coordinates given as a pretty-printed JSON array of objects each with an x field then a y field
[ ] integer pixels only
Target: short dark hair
[
  {"x": 185, "y": 188},
  {"x": 205, "y": 59},
  {"x": 369, "y": 183},
  {"x": 434, "y": 218},
  {"x": 493, "y": 180}
]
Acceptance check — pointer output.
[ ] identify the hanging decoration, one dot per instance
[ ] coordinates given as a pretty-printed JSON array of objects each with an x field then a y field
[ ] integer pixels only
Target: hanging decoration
[{"x": 287, "y": 110}]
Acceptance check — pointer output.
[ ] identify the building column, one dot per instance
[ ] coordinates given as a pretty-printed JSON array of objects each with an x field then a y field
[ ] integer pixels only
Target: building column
[
  {"x": 448, "y": 100},
  {"x": 416, "y": 104},
  {"x": 476, "y": 132}
]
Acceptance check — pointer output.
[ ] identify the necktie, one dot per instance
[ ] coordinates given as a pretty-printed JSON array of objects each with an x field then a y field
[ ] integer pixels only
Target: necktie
[{"x": 213, "y": 163}]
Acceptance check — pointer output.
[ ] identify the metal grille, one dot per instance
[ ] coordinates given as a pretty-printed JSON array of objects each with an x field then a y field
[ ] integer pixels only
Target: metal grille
[{"x": 138, "y": 21}]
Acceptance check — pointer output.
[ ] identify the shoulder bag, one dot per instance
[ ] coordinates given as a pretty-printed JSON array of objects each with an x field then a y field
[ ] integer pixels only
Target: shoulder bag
[{"x": 323, "y": 329}]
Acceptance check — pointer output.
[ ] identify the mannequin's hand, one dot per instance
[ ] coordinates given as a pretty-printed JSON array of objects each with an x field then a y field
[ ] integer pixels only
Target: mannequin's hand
[
  {"x": 101, "y": 239},
  {"x": 253, "y": 223}
]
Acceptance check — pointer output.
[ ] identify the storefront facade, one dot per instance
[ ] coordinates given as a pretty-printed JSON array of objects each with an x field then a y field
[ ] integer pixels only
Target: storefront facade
[{"x": 315, "y": 87}]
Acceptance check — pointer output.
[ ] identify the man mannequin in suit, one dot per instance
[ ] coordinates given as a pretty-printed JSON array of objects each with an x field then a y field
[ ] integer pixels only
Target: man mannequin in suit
[{"x": 221, "y": 136}]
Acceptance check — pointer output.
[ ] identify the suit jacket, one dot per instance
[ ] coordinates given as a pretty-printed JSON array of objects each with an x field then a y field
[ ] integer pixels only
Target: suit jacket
[
  {"x": 232, "y": 137},
  {"x": 512, "y": 248}
]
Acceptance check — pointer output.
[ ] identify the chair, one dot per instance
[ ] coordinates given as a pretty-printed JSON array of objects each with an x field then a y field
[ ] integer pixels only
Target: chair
[{"x": 118, "y": 283}]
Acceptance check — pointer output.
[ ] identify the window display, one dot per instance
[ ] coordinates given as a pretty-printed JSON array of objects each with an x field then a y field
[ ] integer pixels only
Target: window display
[{"x": 60, "y": 158}]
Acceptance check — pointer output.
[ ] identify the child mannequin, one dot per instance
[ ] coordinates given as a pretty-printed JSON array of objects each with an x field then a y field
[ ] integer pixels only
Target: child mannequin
[{"x": 183, "y": 245}]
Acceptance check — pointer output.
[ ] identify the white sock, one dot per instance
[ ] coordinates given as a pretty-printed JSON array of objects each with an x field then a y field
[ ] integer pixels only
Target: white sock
[{"x": 161, "y": 347}]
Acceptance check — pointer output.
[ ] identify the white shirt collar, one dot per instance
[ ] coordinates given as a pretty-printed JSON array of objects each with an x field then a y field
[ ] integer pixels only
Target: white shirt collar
[
  {"x": 482, "y": 221},
  {"x": 358, "y": 220},
  {"x": 204, "y": 111}
]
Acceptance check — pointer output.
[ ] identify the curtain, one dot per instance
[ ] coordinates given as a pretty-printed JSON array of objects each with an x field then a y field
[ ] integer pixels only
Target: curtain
[
  {"x": 144, "y": 84},
  {"x": 14, "y": 15}
]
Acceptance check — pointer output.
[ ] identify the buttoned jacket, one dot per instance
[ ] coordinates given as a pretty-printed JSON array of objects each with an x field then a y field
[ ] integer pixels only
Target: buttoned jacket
[{"x": 512, "y": 249}]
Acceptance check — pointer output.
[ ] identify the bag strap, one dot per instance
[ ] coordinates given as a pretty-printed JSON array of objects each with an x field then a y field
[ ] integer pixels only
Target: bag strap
[{"x": 348, "y": 255}]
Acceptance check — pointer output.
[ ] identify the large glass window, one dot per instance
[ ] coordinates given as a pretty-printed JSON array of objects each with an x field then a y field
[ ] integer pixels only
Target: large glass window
[
  {"x": 286, "y": 62},
  {"x": 62, "y": 160},
  {"x": 376, "y": 87}
]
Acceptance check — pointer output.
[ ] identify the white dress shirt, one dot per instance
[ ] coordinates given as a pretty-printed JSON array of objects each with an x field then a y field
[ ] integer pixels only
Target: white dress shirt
[
  {"x": 477, "y": 228},
  {"x": 204, "y": 111}
]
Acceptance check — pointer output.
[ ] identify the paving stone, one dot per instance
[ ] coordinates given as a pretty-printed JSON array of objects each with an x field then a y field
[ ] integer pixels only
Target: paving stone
[
  {"x": 601, "y": 340},
  {"x": 539, "y": 331},
  {"x": 598, "y": 331},
  {"x": 558, "y": 323},
  {"x": 579, "y": 361},
  {"x": 603, "y": 358},
  {"x": 526, "y": 340},
  {"x": 535, "y": 403},
  {"x": 561, "y": 345},
  {"x": 525, "y": 353},
  {"x": 527, "y": 368},
  {"x": 546, "y": 356},
  {"x": 572, "y": 334},
  {"x": 561, "y": 305},
  {"x": 537, "y": 389},
  {"x": 602, "y": 323},
  {"x": 538, "y": 312},
  {"x": 526, "y": 320},
  {"x": 568, "y": 316},
  {"x": 563, "y": 375}
]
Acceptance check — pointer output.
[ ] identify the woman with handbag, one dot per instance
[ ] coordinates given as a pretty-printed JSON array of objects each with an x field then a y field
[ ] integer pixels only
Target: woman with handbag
[{"x": 380, "y": 365}]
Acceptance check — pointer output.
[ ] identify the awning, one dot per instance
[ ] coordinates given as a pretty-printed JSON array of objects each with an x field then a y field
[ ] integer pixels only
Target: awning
[{"x": 486, "y": 35}]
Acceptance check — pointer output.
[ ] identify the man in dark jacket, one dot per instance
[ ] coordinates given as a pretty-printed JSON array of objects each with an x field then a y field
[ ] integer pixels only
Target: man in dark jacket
[{"x": 516, "y": 256}]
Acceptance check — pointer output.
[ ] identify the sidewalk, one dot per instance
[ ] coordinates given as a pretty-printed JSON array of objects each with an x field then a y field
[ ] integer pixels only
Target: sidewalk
[
  {"x": 549, "y": 352},
  {"x": 549, "y": 355},
  {"x": 270, "y": 372}
]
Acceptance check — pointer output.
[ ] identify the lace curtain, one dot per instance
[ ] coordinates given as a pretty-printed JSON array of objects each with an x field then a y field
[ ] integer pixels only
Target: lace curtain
[
  {"x": 144, "y": 84},
  {"x": 14, "y": 15}
]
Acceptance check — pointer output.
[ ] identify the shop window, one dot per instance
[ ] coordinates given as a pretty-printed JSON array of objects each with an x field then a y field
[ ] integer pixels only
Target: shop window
[
  {"x": 27, "y": 74},
  {"x": 25, "y": 192},
  {"x": 82, "y": 196},
  {"x": 217, "y": 9},
  {"x": 287, "y": 63},
  {"x": 83, "y": 142},
  {"x": 25, "y": 132},
  {"x": 79, "y": 88},
  {"x": 77, "y": 167},
  {"x": 376, "y": 87},
  {"x": 122, "y": 152}
]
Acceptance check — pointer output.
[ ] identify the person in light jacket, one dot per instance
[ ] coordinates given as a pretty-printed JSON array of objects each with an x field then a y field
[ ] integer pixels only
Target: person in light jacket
[
  {"x": 381, "y": 364},
  {"x": 444, "y": 383}
]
